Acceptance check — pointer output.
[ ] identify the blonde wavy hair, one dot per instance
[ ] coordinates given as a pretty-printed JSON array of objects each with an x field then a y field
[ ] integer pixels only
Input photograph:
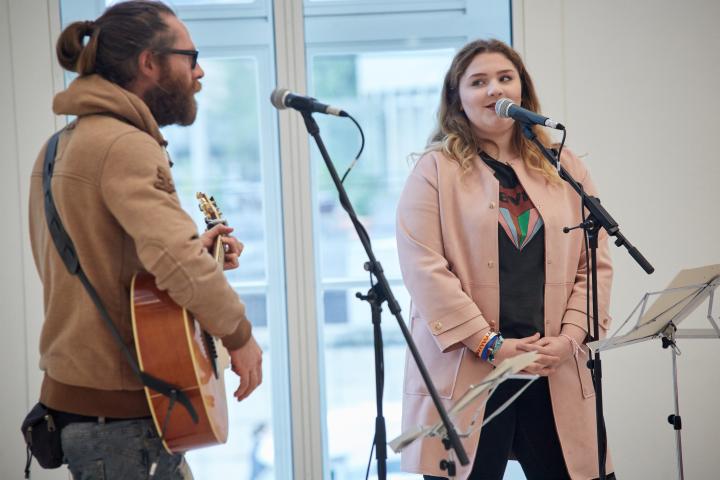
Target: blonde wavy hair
[{"x": 454, "y": 134}]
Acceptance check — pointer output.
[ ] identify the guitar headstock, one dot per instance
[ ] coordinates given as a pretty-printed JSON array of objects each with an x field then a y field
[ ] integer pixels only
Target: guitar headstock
[{"x": 210, "y": 210}]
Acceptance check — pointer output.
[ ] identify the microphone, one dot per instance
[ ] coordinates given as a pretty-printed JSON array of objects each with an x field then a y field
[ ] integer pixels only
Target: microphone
[
  {"x": 282, "y": 98},
  {"x": 505, "y": 108}
]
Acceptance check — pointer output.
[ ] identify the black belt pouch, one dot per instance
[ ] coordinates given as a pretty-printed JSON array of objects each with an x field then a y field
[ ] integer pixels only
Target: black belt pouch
[{"x": 42, "y": 437}]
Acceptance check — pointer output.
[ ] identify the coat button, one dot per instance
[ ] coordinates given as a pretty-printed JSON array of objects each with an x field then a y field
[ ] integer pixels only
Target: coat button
[
  {"x": 437, "y": 326},
  {"x": 492, "y": 205},
  {"x": 491, "y": 264},
  {"x": 549, "y": 261}
]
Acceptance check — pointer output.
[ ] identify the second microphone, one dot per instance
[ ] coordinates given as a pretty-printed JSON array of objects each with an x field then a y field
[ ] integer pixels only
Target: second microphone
[{"x": 282, "y": 98}]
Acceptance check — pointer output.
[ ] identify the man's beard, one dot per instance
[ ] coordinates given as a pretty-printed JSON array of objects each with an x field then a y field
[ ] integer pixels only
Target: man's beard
[{"x": 171, "y": 101}]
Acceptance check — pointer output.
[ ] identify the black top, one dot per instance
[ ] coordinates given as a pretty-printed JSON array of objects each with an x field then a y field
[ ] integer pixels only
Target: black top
[{"x": 521, "y": 256}]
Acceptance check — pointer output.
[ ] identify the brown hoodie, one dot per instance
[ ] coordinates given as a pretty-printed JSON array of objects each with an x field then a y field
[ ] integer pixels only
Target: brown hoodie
[{"x": 113, "y": 189}]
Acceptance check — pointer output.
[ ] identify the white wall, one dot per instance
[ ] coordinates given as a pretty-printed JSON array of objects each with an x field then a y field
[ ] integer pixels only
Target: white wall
[
  {"x": 633, "y": 81},
  {"x": 27, "y": 79}
]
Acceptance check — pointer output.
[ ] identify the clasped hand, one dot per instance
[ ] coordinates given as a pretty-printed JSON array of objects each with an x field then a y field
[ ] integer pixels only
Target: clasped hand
[{"x": 552, "y": 351}]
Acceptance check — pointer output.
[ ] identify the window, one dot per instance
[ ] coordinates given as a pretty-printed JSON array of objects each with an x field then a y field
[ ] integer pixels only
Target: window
[
  {"x": 230, "y": 153},
  {"x": 383, "y": 61},
  {"x": 222, "y": 153}
]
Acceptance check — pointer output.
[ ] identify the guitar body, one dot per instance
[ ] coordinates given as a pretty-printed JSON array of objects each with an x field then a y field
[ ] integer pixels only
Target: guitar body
[{"x": 171, "y": 346}]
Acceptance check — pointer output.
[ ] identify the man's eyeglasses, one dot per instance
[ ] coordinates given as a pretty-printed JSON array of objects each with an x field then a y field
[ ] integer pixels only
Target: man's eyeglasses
[{"x": 193, "y": 54}]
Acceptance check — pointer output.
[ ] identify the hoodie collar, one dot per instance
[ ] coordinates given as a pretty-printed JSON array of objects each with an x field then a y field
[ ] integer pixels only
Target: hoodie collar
[{"x": 92, "y": 94}]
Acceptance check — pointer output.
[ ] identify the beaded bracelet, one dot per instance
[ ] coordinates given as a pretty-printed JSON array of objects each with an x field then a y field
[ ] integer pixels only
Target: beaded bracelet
[
  {"x": 483, "y": 342},
  {"x": 573, "y": 343},
  {"x": 488, "y": 346},
  {"x": 495, "y": 348}
]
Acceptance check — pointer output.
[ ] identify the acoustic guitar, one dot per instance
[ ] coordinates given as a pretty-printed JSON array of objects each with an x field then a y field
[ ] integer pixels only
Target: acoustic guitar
[{"x": 172, "y": 346}]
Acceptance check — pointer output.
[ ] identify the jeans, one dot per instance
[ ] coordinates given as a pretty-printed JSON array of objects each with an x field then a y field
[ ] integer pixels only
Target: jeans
[{"x": 120, "y": 450}]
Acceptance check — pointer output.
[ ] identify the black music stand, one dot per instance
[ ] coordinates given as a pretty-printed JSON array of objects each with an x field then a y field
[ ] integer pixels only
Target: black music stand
[{"x": 685, "y": 293}]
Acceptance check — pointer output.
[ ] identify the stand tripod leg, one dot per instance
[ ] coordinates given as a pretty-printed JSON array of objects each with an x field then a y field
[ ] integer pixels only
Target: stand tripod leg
[
  {"x": 375, "y": 298},
  {"x": 448, "y": 464},
  {"x": 668, "y": 340},
  {"x": 675, "y": 419}
]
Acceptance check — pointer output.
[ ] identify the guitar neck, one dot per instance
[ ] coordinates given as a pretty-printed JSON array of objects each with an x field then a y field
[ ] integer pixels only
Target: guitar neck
[
  {"x": 219, "y": 250},
  {"x": 213, "y": 216}
]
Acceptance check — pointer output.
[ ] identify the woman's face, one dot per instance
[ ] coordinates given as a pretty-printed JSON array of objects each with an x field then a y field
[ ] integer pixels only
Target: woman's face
[{"x": 488, "y": 78}]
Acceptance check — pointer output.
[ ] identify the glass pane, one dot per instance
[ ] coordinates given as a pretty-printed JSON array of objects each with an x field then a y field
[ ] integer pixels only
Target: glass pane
[
  {"x": 356, "y": 1},
  {"x": 182, "y": 3},
  {"x": 178, "y": 3},
  {"x": 350, "y": 383},
  {"x": 393, "y": 95},
  {"x": 220, "y": 155},
  {"x": 249, "y": 450}
]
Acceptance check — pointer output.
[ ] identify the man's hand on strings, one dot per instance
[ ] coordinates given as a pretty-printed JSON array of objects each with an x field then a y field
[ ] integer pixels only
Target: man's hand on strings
[{"x": 232, "y": 246}]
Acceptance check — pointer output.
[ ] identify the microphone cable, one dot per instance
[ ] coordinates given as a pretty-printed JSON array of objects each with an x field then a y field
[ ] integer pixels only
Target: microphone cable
[{"x": 362, "y": 146}]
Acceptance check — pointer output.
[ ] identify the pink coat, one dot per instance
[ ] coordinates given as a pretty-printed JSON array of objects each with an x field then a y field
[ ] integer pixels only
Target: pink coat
[{"x": 447, "y": 235}]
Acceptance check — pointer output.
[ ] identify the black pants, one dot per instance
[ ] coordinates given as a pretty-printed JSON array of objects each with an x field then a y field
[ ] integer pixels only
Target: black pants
[{"x": 527, "y": 429}]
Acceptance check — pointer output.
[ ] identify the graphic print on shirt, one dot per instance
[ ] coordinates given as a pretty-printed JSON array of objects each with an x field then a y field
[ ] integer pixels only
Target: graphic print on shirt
[{"x": 518, "y": 216}]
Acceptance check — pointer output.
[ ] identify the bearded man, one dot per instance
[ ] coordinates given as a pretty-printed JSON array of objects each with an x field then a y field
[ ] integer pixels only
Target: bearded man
[{"x": 114, "y": 193}]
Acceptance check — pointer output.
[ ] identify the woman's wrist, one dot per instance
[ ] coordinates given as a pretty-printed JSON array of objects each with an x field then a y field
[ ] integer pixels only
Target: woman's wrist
[
  {"x": 494, "y": 347},
  {"x": 473, "y": 341},
  {"x": 503, "y": 352},
  {"x": 574, "y": 347},
  {"x": 489, "y": 346},
  {"x": 575, "y": 336}
]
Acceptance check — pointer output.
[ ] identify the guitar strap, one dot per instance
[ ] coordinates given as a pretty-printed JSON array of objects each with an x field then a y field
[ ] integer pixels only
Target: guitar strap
[{"x": 67, "y": 252}]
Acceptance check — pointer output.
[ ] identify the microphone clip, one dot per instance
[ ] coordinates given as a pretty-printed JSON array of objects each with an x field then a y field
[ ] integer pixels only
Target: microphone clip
[{"x": 586, "y": 225}]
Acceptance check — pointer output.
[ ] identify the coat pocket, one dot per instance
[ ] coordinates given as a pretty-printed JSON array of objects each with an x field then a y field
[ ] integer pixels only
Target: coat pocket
[
  {"x": 442, "y": 367},
  {"x": 586, "y": 383}
]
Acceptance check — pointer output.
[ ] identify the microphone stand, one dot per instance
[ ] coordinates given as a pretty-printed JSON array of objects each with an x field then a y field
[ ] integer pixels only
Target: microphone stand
[
  {"x": 379, "y": 293},
  {"x": 597, "y": 218}
]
